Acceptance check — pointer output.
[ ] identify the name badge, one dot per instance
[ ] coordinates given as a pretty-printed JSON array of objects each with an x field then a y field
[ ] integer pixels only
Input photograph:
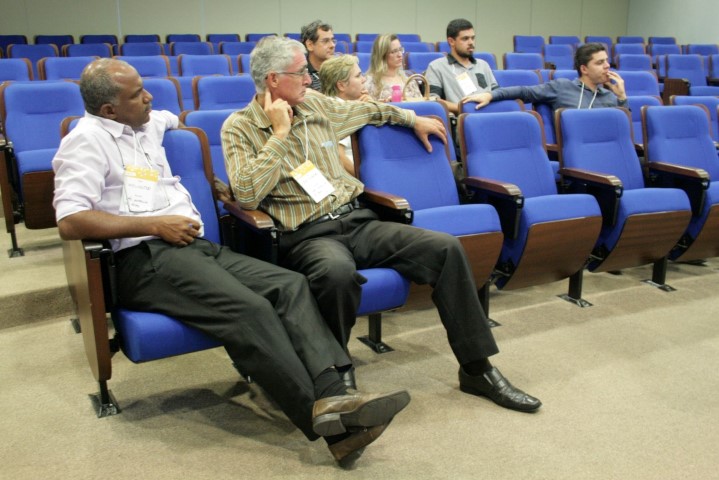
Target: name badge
[
  {"x": 466, "y": 84},
  {"x": 139, "y": 189},
  {"x": 312, "y": 181}
]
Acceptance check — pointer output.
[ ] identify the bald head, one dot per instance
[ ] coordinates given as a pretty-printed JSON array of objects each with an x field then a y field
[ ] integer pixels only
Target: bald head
[{"x": 99, "y": 82}]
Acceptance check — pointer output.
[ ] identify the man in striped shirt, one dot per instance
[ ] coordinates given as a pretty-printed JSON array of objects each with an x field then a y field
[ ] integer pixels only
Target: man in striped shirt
[{"x": 281, "y": 157}]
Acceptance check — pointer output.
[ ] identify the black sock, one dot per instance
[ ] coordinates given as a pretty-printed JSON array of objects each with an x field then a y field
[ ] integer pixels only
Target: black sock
[
  {"x": 477, "y": 368},
  {"x": 329, "y": 384}
]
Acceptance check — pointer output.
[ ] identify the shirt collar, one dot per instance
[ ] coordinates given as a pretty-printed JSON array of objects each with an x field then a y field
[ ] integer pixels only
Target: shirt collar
[
  {"x": 257, "y": 115},
  {"x": 453, "y": 61},
  {"x": 112, "y": 127}
]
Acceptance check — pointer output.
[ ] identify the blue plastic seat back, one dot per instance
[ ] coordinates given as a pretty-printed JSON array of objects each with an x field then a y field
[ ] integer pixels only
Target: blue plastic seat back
[
  {"x": 431, "y": 108},
  {"x": 662, "y": 40},
  {"x": 165, "y": 94},
  {"x": 255, "y": 37},
  {"x": 102, "y": 38},
  {"x": 141, "y": 48},
  {"x": 409, "y": 37},
  {"x": 514, "y": 78},
  {"x": 33, "y": 53},
  {"x": 631, "y": 39},
  {"x": 244, "y": 63},
  {"x": 237, "y": 48},
  {"x": 571, "y": 40},
  {"x": 528, "y": 43},
  {"x": 508, "y": 147},
  {"x": 142, "y": 38},
  {"x": 18, "y": 69},
  {"x": 680, "y": 134},
  {"x": 635, "y": 104},
  {"x": 523, "y": 61},
  {"x": 600, "y": 140},
  {"x": 192, "y": 65},
  {"x": 417, "y": 47},
  {"x": 366, "y": 37},
  {"x": 689, "y": 66},
  {"x": 88, "y": 50},
  {"x": 494, "y": 107},
  {"x": 57, "y": 40},
  {"x": 633, "y": 48},
  {"x": 364, "y": 60},
  {"x": 34, "y": 111},
  {"x": 633, "y": 62},
  {"x": 210, "y": 121},
  {"x": 393, "y": 160},
  {"x": 640, "y": 83},
  {"x": 418, "y": 61},
  {"x": 6, "y": 40},
  {"x": 148, "y": 66},
  {"x": 606, "y": 40},
  {"x": 184, "y": 152},
  {"x": 61, "y": 68},
  {"x": 561, "y": 55},
  {"x": 191, "y": 48},
  {"x": 363, "y": 46},
  {"x": 183, "y": 37},
  {"x": 569, "y": 74},
  {"x": 488, "y": 57},
  {"x": 711, "y": 102},
  {"x": 224, "y": 92}
]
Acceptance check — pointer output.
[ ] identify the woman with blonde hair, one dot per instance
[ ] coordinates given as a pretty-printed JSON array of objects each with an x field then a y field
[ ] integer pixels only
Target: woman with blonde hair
[
  {"x": 387, "y": 70},
  {"x": 342, "y": 78}
]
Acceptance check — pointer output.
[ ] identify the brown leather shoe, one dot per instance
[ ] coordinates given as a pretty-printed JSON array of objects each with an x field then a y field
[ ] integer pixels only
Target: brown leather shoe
[
  {"x": 352, "y": 447},
  {"x": 335, "y": 415}
]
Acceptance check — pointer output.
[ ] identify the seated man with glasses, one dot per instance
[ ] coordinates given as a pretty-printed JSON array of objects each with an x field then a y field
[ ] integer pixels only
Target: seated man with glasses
[
  {"x": 320, "y": 42},
  {"x": 281, "y": 157},
  {"x": 386, "y": 70}
]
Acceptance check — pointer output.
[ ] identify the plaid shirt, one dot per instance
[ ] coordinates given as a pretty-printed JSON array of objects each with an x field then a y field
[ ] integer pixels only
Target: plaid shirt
[{"x": 259, "y": 164}]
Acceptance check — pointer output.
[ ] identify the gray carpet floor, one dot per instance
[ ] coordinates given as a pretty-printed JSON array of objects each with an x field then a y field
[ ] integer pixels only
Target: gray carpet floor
[{"x": 629, "y": 387}]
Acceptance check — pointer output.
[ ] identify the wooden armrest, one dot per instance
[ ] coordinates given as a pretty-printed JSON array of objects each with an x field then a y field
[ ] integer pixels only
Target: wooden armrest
[
  {"x": 385, "y": 199},
  {"x": 675, "y": 169},
  {"x": 588, "y": 176},
  {"x": 388, "y": 206},
  {"x": 693, "y": 181},
  {"x": 505, "y": 197},
  {"x": 606, "y": 189},
  {"x": 256, "y": 219},
  {"x": 493, "y": 186}
]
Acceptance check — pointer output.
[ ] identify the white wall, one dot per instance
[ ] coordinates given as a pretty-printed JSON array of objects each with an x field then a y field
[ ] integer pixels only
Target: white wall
[
  {"x": 495, "y": 20},
  {"x": 690, "y": 21}
]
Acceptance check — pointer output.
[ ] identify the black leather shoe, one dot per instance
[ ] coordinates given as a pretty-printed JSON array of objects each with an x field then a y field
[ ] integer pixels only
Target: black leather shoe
[
  {"x": 355, "y": 410},
  {"x": 352, "y": 447},
  {"x": 494, "y": 386},
  {"x": 348, "y": 378}
]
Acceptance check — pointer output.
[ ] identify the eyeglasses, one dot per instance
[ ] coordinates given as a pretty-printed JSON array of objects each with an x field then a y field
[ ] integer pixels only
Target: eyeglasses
[
  {"x": 396, "y": 51},
  {"x": 301, "y": 73},
  {"x": 325, "y": 41}
]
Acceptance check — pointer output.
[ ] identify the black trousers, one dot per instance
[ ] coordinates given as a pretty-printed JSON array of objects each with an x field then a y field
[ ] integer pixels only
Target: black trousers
[
  {"x": 329, "y": 254},
  {"x": 265, "y": 315}
]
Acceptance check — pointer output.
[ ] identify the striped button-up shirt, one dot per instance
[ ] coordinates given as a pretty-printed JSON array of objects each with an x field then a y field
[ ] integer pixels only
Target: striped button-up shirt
[{"x": 259, "y": 163}]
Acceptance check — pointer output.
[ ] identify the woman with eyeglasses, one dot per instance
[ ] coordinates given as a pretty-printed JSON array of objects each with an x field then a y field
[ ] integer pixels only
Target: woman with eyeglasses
[{"x": 387, "y": 70}]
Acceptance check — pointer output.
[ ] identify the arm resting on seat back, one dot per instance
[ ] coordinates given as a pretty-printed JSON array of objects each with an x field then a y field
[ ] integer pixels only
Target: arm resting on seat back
[
  {"x": 694, "y": 181},
  {"x": 607, "y": 189},
  {"x": 505, "y": 197}
]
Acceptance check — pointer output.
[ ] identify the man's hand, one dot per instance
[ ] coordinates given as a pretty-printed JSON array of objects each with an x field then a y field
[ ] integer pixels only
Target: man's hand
[
  {"x": 280, "y": 114},
  {"x": 482, "y": 99},
  {"x": 616, "y": 85},
  {"x": 425, "y": 126},
  {"x": 176, "y": 229}
]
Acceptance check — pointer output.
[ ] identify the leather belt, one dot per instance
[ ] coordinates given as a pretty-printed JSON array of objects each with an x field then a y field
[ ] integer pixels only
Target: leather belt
[{"x": 335, "y": 214}]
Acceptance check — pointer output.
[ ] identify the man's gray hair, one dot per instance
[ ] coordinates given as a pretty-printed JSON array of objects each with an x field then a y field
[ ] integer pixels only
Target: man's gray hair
[
  {"x": 272, "y": 54},
  {"x": 97, "y": 85}
]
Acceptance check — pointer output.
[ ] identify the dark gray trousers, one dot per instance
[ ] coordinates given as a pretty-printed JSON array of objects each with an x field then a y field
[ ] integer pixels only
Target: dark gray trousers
[
  {"x": 265, "y": 316},
  {"x": 329, "y": 254}
]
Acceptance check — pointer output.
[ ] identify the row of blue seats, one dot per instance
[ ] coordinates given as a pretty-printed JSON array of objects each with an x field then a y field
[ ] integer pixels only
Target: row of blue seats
[{"x": 534, "y": 43}]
